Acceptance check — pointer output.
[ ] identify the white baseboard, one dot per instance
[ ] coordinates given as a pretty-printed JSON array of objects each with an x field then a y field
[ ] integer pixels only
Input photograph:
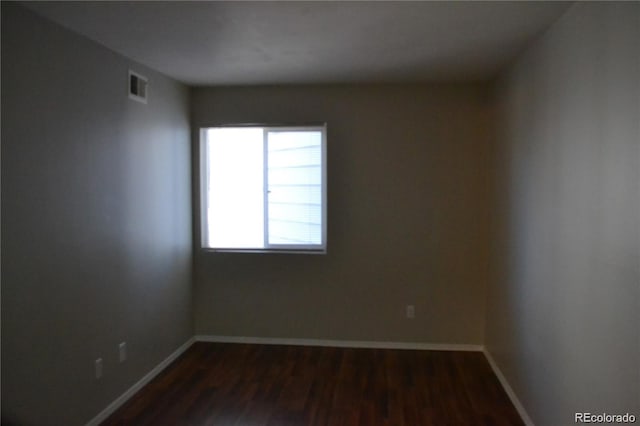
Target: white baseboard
[
  {"x": 117, "y": 403},
  {"x": 507, "y": 388},
  {"x": 340, "y": 343}
]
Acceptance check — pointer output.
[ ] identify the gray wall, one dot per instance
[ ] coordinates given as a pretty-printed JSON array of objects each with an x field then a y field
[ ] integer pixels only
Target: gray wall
[
  {"x": 563, "y": 314},
  {"x": 96, "y": 223},
  {"x": 407, "y": 219}
]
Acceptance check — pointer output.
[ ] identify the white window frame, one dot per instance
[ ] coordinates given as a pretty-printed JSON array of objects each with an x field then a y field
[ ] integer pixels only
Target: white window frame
[{"x": 268, "y": 248}]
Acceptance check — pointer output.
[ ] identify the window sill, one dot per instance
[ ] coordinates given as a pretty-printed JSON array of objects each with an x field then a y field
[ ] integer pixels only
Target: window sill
[{"x": 265, "y": 251}]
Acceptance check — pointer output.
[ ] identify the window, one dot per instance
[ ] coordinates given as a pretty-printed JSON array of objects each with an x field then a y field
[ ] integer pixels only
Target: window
[{"x": 264, "y": 188}]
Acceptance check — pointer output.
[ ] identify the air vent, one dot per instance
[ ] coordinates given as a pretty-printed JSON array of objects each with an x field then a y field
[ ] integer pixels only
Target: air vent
[{"x": 137, "y": 87}]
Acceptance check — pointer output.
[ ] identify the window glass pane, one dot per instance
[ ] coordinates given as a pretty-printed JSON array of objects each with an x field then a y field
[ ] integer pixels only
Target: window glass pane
[
  {"x": 295, "y": 194},
  {"x": 295, "y": 187},
  {"x": 296, "y": 175},
  {"x": 308, "y": 155},
  {"x": 235, "y": 207}
]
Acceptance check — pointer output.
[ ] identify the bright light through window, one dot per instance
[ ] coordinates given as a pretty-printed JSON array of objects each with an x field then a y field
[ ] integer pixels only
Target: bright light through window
[
  {"x": 264, "y": 188},
  {"x": 235, "y": 210}
]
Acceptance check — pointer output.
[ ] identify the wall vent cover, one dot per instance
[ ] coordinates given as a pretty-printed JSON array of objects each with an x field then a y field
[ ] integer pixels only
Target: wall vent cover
[{"x": 138, "y": 87}]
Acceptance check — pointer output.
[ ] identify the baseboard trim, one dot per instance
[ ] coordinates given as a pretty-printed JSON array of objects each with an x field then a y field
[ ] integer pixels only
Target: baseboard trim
[
  {"x": 118, "y": 402},
  {"x": 340, "y": 343},
  {"x": 507, "y": 388}
]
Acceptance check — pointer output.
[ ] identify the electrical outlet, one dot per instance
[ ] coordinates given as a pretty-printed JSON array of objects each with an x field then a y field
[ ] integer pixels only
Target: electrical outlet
[
  {"x": 411, "y": 311},
  {"x": 122, "y": 351},
  {"x": 98, "y": 368}
]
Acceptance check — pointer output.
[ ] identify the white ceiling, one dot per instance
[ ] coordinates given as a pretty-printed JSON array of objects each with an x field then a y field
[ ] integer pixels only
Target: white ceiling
[{"x": 236, "y": 42}]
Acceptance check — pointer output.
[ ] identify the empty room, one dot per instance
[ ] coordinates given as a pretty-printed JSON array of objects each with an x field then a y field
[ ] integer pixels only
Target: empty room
[{"x": 320, "y": 213}]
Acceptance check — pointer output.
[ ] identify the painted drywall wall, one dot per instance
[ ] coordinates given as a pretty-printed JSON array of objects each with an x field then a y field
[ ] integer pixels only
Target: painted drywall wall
[
  {"x": 563, "y": 313},
  {"x": 407, "y": 219},
  {"x": 96, "y": 223}
]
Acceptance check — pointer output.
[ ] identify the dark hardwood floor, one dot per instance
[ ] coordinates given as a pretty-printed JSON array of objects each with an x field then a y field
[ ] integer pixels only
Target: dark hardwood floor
[{"x": 251, "y": 385}]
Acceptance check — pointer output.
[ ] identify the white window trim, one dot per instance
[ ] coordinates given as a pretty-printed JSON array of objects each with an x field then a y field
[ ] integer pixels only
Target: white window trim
[{"x": 269, "y": 248}]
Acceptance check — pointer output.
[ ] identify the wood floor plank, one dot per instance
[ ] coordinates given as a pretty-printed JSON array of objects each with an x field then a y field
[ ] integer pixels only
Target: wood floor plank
[{"x": 224, "y": 384}]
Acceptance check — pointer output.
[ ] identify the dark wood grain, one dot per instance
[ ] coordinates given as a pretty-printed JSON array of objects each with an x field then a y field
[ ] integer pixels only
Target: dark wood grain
[{"x": 273, "y": 385}]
